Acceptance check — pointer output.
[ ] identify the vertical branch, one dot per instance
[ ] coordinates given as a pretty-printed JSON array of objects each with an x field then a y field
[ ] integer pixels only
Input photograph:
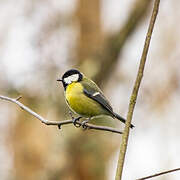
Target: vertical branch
[{"x": 133, "y": 98}]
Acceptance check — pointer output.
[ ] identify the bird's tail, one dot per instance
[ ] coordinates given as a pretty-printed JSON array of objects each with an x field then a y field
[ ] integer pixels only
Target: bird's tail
[{"x": 117, "y": 116}]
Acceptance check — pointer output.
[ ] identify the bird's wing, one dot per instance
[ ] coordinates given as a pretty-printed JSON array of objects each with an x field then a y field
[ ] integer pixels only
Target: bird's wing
[{"x": 92, "y": 91}]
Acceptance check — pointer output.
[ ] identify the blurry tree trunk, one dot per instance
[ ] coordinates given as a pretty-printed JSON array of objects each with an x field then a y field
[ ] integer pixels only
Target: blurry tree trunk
[
  {"x": 91, "y": 37},
  {"x": 90, "y": 40}
]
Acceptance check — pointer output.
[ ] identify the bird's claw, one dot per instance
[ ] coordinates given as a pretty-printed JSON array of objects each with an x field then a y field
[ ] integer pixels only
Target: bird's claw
[
  {"x": 83, "y": 124},
  {"x": 75, "y": 121}
]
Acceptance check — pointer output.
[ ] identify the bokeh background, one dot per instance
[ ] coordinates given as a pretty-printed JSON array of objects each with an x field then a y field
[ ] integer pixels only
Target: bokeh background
[{"x": 40, "y": 40}]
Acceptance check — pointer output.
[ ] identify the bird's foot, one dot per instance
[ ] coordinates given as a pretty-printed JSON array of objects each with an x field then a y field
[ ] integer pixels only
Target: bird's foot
[
  {"x": 84, "y": 126},
  {"x": 75, "y": 121}
]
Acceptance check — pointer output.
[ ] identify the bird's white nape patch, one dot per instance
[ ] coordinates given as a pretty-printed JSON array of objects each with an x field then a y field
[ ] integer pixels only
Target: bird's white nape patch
[
  {"x": 71, "y": 78},
  {"x": 96, "y": 93}
]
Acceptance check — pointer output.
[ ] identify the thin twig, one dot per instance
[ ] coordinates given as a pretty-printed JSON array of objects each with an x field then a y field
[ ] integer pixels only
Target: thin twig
[
  {"x": 159, "y": 174},
  {"x": 57, "y": 123},
  {"x": 132, "y": 103},
  {"x": 18, "y": 98}
]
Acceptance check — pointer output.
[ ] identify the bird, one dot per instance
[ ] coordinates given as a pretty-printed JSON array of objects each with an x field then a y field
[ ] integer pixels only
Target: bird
[{"x": 85, "y": 98}]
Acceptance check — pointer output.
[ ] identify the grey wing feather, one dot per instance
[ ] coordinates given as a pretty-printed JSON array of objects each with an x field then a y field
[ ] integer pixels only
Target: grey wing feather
[
  {"x": 100, "y": 99},
  {"x": 92, "y": 91},
  {"x": 95, "y": 93}
]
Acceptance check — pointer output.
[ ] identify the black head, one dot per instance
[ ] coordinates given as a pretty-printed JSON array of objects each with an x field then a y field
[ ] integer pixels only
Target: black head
[{"x": 72, "y": 75}]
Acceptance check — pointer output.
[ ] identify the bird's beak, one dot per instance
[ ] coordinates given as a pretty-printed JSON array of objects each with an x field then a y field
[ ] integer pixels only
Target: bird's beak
[{"x": 59, "y": 79}]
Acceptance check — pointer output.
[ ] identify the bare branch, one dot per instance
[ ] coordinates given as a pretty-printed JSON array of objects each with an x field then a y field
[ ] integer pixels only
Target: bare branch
[
  {"x": 134, "y": 94},
  {"x": 57, "y": 123},
  {"x": 159, "y": 174}
]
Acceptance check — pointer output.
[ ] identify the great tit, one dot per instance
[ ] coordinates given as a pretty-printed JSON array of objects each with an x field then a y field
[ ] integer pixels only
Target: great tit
[{"x": 84, "y": 97}]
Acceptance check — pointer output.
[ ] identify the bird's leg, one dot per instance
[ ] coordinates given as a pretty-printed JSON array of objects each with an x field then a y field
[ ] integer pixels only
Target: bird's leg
[
  {"x": 84, "y": 123},
  {"x": 75, "y": 119},
  {"x": 71, "y": 114}
]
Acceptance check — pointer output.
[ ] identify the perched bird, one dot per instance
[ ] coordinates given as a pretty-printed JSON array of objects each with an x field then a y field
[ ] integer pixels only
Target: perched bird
[{"x": 85, "y": 98}]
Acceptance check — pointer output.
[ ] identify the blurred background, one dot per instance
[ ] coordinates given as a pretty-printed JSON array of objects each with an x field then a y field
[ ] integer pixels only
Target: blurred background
[{"x": 40, "y": 40}]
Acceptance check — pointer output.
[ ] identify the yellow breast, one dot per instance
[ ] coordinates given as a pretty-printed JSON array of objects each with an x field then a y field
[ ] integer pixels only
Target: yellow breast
[{"x": 80, "y": 103}]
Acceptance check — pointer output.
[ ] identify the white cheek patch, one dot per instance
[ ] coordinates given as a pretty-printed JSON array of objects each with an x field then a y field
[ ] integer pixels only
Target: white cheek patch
[{"x": 72, "y": 78}]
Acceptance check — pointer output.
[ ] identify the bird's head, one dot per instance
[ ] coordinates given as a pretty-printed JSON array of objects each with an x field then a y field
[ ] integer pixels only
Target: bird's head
[{"x": 72, "y": 75}]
